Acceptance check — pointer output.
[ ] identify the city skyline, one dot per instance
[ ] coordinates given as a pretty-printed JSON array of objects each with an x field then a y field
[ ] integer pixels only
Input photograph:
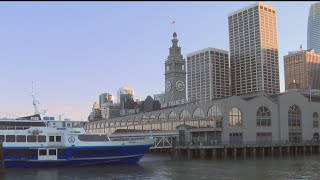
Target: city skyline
[{"x": 68, "y": 55}]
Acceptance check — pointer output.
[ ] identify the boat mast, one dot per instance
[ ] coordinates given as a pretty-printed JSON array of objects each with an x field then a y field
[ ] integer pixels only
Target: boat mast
[{"x": 35, "y": 102}]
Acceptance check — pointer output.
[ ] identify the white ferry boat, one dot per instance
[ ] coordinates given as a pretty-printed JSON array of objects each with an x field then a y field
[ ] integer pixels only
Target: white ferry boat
[{"x": 31, "y": 141}]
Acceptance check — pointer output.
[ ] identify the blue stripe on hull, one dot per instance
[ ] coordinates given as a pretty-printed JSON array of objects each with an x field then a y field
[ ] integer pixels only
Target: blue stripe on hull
[{"x": 134, "y": 159}]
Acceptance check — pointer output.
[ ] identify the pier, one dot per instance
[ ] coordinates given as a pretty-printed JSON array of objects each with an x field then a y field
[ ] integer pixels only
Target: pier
[{"x": 244, "y": 150}]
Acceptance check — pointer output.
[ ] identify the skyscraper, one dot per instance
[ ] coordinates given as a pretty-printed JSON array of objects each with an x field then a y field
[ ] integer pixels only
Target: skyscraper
[
  {"x": 208, "y": 74},
  {"x": 314, "y": 27},
  {"x": 125, "y": 97},
  {"x": 302, "y": 69},
  {"x": 105, "y": 98},
  {"x": 254, "y": 49},
  {"x": 175, "y": 73}
]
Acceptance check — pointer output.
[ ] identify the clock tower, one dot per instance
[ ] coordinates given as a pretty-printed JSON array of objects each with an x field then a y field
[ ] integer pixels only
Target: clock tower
[{"x": 175, "y": 73}]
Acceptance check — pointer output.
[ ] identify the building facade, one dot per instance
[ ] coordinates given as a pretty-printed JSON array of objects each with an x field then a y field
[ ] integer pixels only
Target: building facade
[
  {"x": 124, "y": 90},
  {"x": 314, "y": 27},
  {"x": 160, "y": 97},
  {"x": 208, "y": 75},
  {"x": 253, "y": 42},
  {"x": 254, "y": 117},
  {"x": 105, "y": 98},
  {"x": 301, "y": 69},
  {"x": 175, "y": 73}
]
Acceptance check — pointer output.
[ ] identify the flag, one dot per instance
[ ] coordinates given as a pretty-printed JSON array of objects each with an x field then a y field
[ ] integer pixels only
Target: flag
[{"x": 173, "y": 22}]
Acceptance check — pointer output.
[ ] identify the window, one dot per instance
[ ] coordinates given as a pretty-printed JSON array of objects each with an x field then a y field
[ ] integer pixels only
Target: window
[
  {"x": 264, "y": 137},
  {"x": 235, "y": 138},
  {"x": 214, "y": 111},
  {"x": 294, "y": 116},
  {"x": 184, "y": 115},
  {"x": 31, "y": 138},
  {"x": 1, "y": 138},
  {"x": 198, "y": 113},
  {"x": 51, "y": 138},
  {"x": 295, "y": 137},
  {"x": 58, "y": 138},
  {"x": 152, "y": 117},
  {"x": 42, "y": 152},
  {"x": 315, "y": 120},
  {"x": 41, "y": 138},
  {"x": 21, "y": 138},
  {"x": 10, "y": 138},
  {"x": 172, "y": 116},
  {"x": 235, "y": 117},
  {"x": 263, "y": 116},
  {"x": 162, "y": 117},
  {"x": 52, "y": 152}
]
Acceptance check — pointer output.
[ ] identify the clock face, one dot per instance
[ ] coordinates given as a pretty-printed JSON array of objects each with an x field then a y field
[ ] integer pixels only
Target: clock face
[
  {"x": 179, "y": 85},
  {"x": 168, "y": 86}
]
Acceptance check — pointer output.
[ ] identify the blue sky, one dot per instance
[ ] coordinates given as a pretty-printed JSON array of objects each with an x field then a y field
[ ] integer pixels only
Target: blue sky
[{"x": 73, "y": 51}]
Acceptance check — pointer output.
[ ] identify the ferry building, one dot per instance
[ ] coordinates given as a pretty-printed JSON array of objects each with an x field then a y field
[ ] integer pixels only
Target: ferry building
[{"x": 254, "y": 117}]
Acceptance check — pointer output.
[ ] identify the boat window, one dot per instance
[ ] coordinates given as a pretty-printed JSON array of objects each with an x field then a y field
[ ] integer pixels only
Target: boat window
[
  {"x": 32, "y": 138},
  {"x": 86, "y": 137},
  {"x": 9, "y": 152},
  {"x": 31, "y": 152},
  {"x": 1, "y": 138},
  {"x": 61, "y": 151},
  {"x": 21, "y": 138},
  {"x": 58, "y": 138},
  {"x": 10, "y": 138},
  {"x": 51, "y": 138},
  {"x": 41, "y": 138},
  {"x": 74, "y": 152},
  {"x": 52, "y": 152},
  {"x": 42, "y": 152}
]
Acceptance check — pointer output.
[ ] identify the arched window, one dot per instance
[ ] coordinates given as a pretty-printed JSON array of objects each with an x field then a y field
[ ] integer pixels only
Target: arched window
[
  {"x": 263, "y": 116},
  {"x": 315, "y": 120},
  {"x": 129, "y": 121},
  {"x": 152, "y": 118},
  {"x": 184, "y": 115},
  {"x": 143, "y": 119},
  {"x": 198, "y": 113},
  {"x": 294, "y": 116},
  {"x": 117, "y": 123},
  {"x": 235, "y": 117},
  {"x": 162, "y": 117},
  {"x": 172, "y": 116},
  {"x": 123, "y": 123},
  {"x": 214, "y": 111},
  {"x": 156, "y": 125}
]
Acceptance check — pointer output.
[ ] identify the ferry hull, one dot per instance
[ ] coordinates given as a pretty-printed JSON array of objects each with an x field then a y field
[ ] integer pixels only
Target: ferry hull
[
  {"x": 125, "y": 154},
  {"x": 75, "y": 162}
]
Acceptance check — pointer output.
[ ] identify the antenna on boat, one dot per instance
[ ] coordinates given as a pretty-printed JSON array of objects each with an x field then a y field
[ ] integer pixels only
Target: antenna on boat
[{"x": 35, "y": 102}]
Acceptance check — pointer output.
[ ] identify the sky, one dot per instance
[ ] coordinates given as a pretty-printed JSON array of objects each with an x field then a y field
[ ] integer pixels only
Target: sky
[{"x": 74, "y": 51}]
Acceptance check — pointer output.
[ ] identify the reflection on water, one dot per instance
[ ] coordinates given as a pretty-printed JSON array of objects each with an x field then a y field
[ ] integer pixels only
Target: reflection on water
[{"x": 162, "y": 167}]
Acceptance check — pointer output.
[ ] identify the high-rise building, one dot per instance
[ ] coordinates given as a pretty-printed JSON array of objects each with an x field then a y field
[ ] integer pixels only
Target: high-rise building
[
  {"x": 105, "y": 98},
  {"x": 175, "y": 73},
  {"x": 254, "y": 49},
  {"x": 301, "y": 69},
  {"x": 314, "y": 27},
  {"x": 159, "y": 97},
  {"x": 125, "y": 94},
  {"x": 208, "y": 74}
]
